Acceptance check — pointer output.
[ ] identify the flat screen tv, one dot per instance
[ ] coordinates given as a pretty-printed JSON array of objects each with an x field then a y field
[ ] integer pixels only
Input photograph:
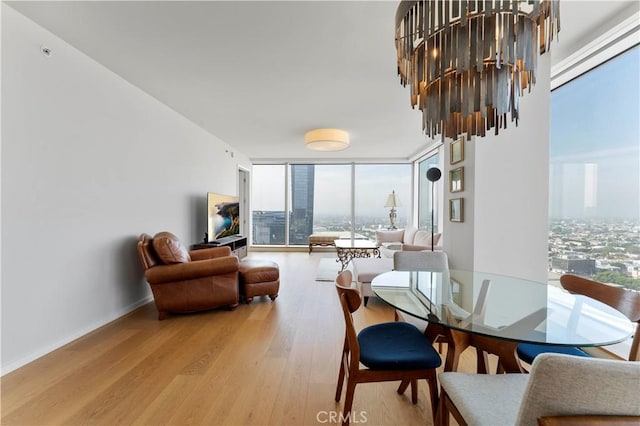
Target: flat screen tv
[{"x": 223, "y": 214}]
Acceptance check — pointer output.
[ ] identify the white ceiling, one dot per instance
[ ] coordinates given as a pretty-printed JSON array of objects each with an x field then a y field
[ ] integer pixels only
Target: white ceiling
[{"x": 259, "y": 74}]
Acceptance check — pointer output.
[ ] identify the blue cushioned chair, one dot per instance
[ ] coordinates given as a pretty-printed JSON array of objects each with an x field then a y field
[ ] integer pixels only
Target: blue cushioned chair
[
  {"x": 529, "y": 351},
  {"x": 627, "y": 302},
  {"x": 390, "y": 351}
]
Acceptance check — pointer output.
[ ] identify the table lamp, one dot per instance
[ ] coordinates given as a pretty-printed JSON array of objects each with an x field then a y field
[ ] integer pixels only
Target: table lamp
[{"x": 392, "y": 201}]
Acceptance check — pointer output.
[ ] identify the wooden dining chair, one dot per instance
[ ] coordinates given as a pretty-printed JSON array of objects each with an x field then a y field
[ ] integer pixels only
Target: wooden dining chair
[
  {"x": 559, "y": 387},
  {"x": 625, "y": 301},
  {"x": 390, "y": 351}
]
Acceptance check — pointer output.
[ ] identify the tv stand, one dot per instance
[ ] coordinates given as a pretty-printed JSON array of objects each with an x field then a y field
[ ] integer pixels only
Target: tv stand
[{"x": 237, "y": 244}]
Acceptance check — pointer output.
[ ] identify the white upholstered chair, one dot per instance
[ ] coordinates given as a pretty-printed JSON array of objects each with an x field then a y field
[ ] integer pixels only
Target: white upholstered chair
[
  {"x": 420, "y": 260},
  {"x": 559, "y": 385},
  {"x": 366, "y": 269}
]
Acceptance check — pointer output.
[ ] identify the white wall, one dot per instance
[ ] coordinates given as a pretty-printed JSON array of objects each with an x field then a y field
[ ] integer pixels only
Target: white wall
[
  {"x": 505, "y": 228},
  {"x": 88, "y": 163},
  {"x": 458, "y": 236},
  {"x": 512, "y": 190}
]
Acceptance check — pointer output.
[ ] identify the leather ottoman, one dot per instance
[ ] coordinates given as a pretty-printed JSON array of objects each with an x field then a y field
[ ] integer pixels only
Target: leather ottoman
[{"x": 259, "y": 278}]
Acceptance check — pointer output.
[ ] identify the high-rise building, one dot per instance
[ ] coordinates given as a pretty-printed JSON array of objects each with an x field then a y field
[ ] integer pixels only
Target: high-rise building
[
  {"x": 301, "y": 220},
  {"x": 268, "y": 227},
  {"x": 574, "y": 265}
]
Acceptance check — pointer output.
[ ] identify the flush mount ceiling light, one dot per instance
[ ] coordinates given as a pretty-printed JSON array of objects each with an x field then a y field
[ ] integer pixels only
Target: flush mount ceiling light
[
  {"x": 468, "y": 62},
  {"x": 326, "y": 139}
]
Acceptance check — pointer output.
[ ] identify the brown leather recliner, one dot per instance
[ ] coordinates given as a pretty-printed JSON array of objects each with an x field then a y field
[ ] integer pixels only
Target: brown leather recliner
[{"x": 188, "y": 281}]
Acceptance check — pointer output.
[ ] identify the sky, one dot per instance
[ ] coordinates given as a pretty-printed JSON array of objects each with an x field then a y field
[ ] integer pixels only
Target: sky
[
  {"x": 332, "y": 193},
  {"x": 595, "y": 142}
]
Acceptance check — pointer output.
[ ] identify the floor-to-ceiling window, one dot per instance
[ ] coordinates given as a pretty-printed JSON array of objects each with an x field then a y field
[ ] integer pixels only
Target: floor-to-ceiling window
[
  {"x": 374, "y": 183},
  {"x": 326, "y": 197},
  {"x": 427, "y": 194},
  {"x": 595, "y": 173},
  {"x": 332, "y": 198},
  {"x": 268, "y": 205}
]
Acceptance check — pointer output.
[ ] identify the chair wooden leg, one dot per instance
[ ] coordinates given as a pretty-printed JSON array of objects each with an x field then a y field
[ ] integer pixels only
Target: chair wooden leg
[
  {"x": 432, "y": 381},
  {"x": 348, "y": 402},
  {"x": 162, "y": 315},
  {"x": 414, "y": 391},
  {"x": 403, "y": 386},
  {"x": 340, "y": 380},
  {"x": 442, "y": 418}
]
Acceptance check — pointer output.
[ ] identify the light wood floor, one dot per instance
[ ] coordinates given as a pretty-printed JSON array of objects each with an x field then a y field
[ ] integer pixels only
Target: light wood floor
[{"x": 268, "y": 363}]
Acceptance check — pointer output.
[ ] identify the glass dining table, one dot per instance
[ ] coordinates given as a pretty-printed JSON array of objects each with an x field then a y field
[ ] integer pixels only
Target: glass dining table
[{"x": 493, "y": 313}]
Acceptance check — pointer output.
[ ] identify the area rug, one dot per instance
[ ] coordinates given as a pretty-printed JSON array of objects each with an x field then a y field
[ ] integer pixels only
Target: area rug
[{"x": 328, "y": 269}]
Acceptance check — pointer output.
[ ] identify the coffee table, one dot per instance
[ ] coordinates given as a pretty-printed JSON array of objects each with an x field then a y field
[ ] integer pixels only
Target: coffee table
[{"x": 348, "y": 249}]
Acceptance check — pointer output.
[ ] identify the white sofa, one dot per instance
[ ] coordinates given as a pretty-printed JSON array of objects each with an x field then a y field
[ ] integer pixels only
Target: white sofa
[{"x": 409, "y": 239}]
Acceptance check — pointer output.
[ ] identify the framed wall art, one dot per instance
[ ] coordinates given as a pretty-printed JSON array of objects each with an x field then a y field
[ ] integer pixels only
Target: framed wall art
[
  {"x": 456, "y": 179},
  {"x": 457, "y": 150},
  {"x": 456, "y": 210}
]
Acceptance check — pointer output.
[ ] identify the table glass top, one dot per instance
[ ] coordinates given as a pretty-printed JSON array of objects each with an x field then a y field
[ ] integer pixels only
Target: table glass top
[
  {"x": 503, "y": 307},
  {"x": 345, "y": 243}
]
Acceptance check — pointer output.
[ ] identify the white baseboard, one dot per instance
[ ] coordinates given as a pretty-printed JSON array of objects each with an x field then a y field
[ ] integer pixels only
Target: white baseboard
[{"x": 52, "y": 347}]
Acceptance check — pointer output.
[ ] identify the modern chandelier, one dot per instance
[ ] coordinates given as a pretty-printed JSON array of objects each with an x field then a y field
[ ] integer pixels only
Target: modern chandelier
[{"x": 467, "y": 62}]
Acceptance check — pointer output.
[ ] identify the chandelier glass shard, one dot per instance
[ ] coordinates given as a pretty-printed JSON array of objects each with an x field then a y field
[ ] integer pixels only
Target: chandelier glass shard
[{"x": 467, "y": 62}]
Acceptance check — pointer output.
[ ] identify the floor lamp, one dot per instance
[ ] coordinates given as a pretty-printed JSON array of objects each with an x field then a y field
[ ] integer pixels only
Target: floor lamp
[{"x": 433, "y": 175}]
